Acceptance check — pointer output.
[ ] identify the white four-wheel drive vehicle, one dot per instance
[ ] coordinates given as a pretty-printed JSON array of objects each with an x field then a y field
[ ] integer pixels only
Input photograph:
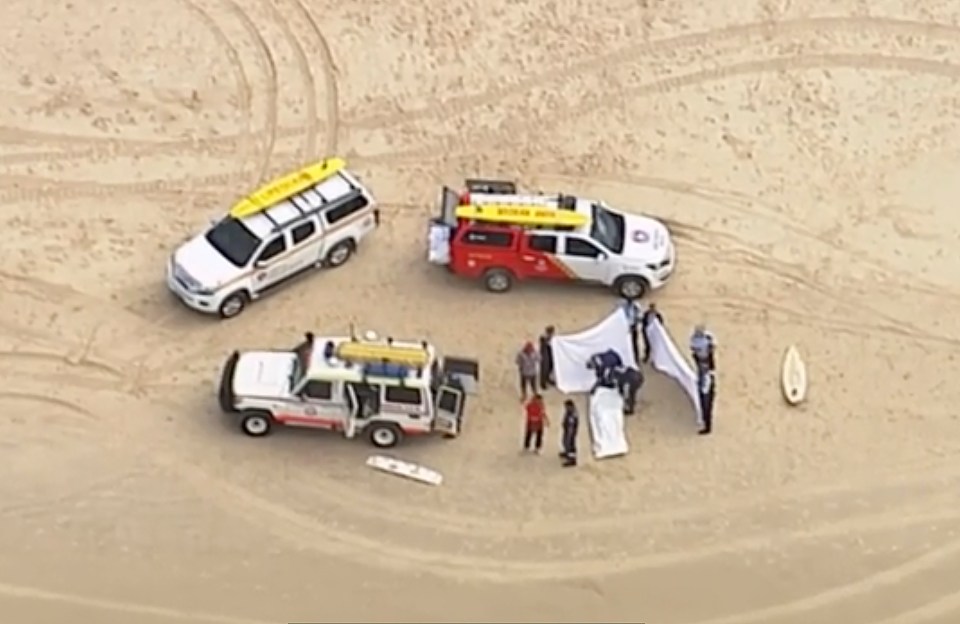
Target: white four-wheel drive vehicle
[
  {"x": 380, "y": 389},
  {"x": 313, "y": 218}
]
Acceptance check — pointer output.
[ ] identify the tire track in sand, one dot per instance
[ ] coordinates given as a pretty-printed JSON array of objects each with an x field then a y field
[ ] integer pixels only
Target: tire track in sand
[
  {"x": 885, "y": 580},
  {"x": 24, "y": 592},
  {"x": 304, "y": 531}
]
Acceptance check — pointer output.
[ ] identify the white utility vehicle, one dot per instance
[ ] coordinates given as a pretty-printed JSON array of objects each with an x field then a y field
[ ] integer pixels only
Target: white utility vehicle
[
  {"x": 313, "y": 218},
  {"x": 381, "y": 389}
]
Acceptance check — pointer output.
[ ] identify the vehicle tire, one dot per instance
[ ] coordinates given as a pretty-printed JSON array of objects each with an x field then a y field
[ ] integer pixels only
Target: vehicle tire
[
  {"x": 385, "y": 435},
  {"x": 339, "y": 255},
  {"x": 233, "y": 305},
  {"x": 631, "y": 287},
  {"x": 256, "y": 424},
  {"x": 498, "y": 280}
]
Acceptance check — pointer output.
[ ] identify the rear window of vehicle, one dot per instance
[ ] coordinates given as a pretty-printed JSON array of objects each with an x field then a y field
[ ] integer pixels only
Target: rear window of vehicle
[{"x": 488, "y": 238}]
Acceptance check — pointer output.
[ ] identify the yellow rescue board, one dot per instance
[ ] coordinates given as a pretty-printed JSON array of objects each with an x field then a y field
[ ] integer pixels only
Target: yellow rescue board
[
  {"x": 793, "y": 378},
  {"x": 522, "y": 215},
  {"x": 376, "y": 353},
  {"x": 286, "y": 186}
]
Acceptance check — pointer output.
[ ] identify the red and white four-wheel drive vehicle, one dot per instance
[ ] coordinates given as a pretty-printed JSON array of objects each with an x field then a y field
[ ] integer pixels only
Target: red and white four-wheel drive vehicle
[
  {"x": 383, "y": 390},
  {"x": 491, "y": 232}
]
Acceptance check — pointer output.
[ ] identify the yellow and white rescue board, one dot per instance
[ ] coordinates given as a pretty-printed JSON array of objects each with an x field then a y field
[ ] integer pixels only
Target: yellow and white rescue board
[
  {"x": 280, "y": 189},
  {"x": 377, "y": 353},
  {"x": 793, "y": 377},
  {"x": 521, "y": 215},
  {"x": 405, "y": 469}
]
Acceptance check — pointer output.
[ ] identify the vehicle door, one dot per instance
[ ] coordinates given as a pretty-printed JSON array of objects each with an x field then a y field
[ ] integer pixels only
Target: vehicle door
[
  {"x": 448, "y": 410},
  {"x": 479, "y": 249},
  {"x": 407, "y": 407},
  {"x": 539, "y": 256},
  {"x": 584, "y": 259},
  {"x": 272, "y": 264},
  {"x": 305, "y": 245},
  {"x": 322, "y": 405}
]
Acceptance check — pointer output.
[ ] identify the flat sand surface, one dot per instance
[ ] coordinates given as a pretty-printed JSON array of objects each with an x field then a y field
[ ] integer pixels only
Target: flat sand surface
[{"x": 805, "y": 154}]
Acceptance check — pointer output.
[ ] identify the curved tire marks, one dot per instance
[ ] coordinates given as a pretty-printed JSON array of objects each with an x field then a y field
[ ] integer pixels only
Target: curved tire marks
[
  {"x": 24, "y": 592},
  {"x": 737, "y": 34},
  {"x": 331, "y": 86}
]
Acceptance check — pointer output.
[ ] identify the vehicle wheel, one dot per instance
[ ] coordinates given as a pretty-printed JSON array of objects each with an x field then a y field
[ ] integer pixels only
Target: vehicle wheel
[
  {"x": 631, "y": 287},
  {"x": 255, "y": 424},
  {"x": 339, "y": 255},
  {"x": 498, "y": 280},
  {"x": 233, "y": 305},
  {"x": 385, "y": 435}
]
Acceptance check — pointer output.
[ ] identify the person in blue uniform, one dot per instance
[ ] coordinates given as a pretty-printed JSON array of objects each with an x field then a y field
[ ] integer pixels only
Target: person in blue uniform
[
  {"x": 632, "y": 312},
  {"x": 631, "y": 380},
  {"x": 707, "y": 391},
  {"x": 568, "y": 440},
  {"x": 606, "y": 366}
]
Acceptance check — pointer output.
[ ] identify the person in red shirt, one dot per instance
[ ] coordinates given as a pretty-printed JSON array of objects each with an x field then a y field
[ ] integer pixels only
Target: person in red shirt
[{"x": 536, "y": 421}]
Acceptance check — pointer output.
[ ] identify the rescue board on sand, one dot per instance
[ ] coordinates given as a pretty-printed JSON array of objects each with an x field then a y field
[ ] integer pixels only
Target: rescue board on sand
[
  {"x": 280, "y": 189},
  {"x": 793, "y": 378},
  {"x": 522, "y": 215},
  {"x": 405, "y": 469}
]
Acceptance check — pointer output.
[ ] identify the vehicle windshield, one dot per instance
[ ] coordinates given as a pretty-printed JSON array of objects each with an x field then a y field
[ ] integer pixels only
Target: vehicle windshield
[
  {"x": 234, "y": 241},
  {"x": 607, "y": 228}
]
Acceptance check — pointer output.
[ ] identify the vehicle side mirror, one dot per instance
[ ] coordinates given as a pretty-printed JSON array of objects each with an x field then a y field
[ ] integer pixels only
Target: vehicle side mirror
[
  {"x": 259, "y": 264},
  {"x": 601, "y": 257}
]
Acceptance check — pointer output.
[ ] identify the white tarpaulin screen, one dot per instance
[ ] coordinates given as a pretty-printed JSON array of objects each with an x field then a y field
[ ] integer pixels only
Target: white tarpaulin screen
[
  {"x": 606, "y": 423},
  {"x": 572, "y": 352},
  {"x": 667, "y": 359}
]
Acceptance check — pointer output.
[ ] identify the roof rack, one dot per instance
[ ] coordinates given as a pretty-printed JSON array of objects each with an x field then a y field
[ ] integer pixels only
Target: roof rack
[
  {"x": 282, "y": 188},
  {"x": 519, "y": 214}
]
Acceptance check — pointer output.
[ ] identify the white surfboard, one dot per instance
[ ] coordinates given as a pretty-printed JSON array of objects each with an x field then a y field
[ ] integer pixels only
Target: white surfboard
[
  {"x": 793, "y": 378},
  {"x": 405, "y": 469}
]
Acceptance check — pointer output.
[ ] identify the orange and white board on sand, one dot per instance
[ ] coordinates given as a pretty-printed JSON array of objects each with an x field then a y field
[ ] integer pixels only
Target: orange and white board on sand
[
  {"x": 405, "y": 469},
  {"x": 793, "y": 377},
  {"x": 514, "y": 214}
]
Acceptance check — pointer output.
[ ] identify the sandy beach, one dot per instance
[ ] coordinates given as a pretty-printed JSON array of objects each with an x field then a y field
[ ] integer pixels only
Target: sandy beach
[{"x": 805, "y": 156}]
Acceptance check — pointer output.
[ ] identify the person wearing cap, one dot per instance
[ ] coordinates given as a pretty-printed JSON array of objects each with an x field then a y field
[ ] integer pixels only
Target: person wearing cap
[
  {"x": 528, "y": 365},
  {"x": 568, "y": 439},
  {"x": 703, "y": 346},
  {"x": 632, "y": 312},
  {"x": 707, "y": 390},
  {"x": 648, "y": 316},
  {"x": 546, "y": 358},
  {"x": 536, "y": 421}
]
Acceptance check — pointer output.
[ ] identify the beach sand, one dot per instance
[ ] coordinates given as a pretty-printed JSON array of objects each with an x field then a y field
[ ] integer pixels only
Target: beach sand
[{"x": 805, "y": 156}]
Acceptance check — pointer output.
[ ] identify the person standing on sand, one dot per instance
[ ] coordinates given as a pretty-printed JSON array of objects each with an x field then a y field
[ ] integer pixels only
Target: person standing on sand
[
  {"x": 632, "y": 311},
  {"x": 707, "y": 390},
  {"x": 528, "y": 364},
  {"x": 703, "y": 347},
  {"x": 568, "y": 440},
  {"x": 536, "y": 421},
  {"x": 546, "y": 358},
  {"x": 646, "y": 318}
]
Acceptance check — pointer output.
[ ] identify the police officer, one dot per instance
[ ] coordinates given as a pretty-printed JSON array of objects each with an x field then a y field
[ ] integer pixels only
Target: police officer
[
  {"x": 568, "y": 441},
  {"x": 703, "y": 347},
  {"x": 646, "y": 318},
  {"x": 631, "y": 380},
  {"x": 707, "y": 389},
  {"x": 606, "y": 365}
]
